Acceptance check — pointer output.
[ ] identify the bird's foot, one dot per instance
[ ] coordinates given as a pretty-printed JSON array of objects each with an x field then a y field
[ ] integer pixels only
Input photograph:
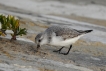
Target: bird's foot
[
  {"x": 57, "y": 51},
  {"x": 63, "y": 53}
]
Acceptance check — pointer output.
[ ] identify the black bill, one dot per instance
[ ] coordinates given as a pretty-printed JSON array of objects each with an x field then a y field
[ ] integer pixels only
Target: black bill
[{"x": 38, "y": 46}]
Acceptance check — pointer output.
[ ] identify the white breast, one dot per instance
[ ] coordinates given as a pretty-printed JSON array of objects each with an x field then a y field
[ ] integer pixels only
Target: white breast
[{"x": 58, "y": 41}]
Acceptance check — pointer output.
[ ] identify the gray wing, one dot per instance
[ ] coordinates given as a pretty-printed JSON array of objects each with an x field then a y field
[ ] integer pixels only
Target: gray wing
[{"x": 63, "y": 32}]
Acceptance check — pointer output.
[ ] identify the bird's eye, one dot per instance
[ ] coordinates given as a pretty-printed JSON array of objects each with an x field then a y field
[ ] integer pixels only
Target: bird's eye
[{"x": 39, "y": 40}]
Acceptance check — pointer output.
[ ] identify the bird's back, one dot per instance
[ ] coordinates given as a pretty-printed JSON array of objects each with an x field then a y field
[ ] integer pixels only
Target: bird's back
[
  {"x": 62, "y": 31},
  {"x": 63, "y": 35}
]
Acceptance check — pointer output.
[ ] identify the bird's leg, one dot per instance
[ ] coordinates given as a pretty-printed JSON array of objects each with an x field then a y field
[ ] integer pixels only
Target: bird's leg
[
  {"x": 68, "y": 50},
  {"x": 58, "y": 50}
]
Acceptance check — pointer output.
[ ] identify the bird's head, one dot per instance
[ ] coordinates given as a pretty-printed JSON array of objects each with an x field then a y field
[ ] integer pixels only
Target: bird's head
[{"x": 38, "y": 39}]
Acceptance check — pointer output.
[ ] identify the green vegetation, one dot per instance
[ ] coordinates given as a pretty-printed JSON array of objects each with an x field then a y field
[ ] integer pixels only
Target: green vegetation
[
  {"x": 1, "y": 33},
  {"x": 10, "y": 23}
]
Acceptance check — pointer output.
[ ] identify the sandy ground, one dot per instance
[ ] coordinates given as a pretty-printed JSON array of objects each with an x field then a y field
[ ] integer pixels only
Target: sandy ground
[
  {"x": 84, "y": 19},
  {"x": 87, "y": 54},
  {"x": 24, "y": 54},
  {"x": 97, "y": 2}
]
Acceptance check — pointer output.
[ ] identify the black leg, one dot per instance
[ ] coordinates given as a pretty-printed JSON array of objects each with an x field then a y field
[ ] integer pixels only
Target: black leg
[
  {"x": 58, "y": 50},
  {"x": 68, "y": 50}
]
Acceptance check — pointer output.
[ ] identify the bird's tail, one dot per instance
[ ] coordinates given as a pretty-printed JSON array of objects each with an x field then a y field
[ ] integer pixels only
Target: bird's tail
[{"x": 87, "y": 31}]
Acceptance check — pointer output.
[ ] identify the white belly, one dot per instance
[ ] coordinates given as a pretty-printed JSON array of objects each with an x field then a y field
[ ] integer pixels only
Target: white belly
[{"x": 59, "y": 42}]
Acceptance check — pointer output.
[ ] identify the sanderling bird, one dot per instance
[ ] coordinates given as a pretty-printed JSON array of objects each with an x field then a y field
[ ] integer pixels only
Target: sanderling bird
[{"x": 59, "y": 36}]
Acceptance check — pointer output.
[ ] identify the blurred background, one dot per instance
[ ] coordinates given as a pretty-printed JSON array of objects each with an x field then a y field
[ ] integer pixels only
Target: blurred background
[{"x": 80, "y": 14}]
